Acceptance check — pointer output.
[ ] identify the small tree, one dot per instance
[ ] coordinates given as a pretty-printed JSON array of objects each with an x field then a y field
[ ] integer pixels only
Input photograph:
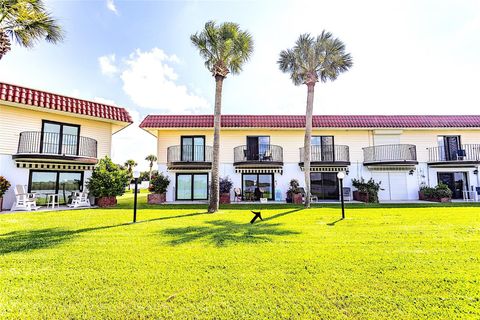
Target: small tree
[
  {"x": 159, "y": 183},
  {"x": 225, "y": 185},
  {"x": 4, "y": 185},
  {"x": 108, "y": 179}
]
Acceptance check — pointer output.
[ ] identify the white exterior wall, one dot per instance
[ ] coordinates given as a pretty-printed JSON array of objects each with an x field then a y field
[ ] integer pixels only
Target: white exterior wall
[{"x": 292, "y": 139}]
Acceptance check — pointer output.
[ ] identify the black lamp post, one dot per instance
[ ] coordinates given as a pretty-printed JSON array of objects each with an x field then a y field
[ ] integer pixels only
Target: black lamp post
[
  {"x": 136, "y": 175},
  {"x": 340, "y": 177}
]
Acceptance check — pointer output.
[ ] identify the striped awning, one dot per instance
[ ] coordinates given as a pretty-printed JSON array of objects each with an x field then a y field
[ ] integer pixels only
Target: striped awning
[{"x": 54, "y": 166}]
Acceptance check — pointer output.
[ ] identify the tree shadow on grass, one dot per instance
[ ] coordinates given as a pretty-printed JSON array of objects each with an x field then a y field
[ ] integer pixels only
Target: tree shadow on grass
[
  {"x": 222, "y": 233},
  {"x": 26, "y": 240}
]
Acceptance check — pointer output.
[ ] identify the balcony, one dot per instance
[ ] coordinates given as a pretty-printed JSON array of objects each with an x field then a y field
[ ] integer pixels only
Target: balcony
[
  {"x": 466, "y": 155},
  {"x": 261, "y": 156},
  {"x": 35, "y": 145},
  {"x": 189, "y": 157},
  {"x": 394, "y": 154},
  {"x": 335, "y": 155}
]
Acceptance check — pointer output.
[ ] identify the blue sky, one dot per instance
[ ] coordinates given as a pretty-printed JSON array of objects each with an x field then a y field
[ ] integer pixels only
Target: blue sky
[{"x": 410, "y": 57}]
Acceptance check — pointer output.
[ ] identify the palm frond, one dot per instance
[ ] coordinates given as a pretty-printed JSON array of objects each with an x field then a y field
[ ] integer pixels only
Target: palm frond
[
  {"x": 312, "y": 59},
  {"x": 224, "y": 47}
]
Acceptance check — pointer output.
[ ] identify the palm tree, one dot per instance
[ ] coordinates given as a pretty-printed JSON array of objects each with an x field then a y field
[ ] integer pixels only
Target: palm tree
[
  {"x": 129, "y": 165},
  {"x": 225, "y": 48},
  {"x": 310, "y": 60},
  {"x": 26, "y": 22},
  {"x": 151, "y": 159}
]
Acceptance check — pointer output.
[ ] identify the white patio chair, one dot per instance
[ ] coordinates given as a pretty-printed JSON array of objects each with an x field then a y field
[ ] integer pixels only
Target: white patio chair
[
  {"x": 80, "y": 199},
  {"x": 24, "y": 201}
]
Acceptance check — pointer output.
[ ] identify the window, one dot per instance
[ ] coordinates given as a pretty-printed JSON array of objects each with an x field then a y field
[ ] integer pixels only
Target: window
[
  {"x": 60, "y": 138},
  {"x": 256, "y": 186},
  {"x": 258, "y": 148},
  {"x": 62, "y": 183},
  {"x": 448, "y": 147},
  {"x": 324, "y": 185},
  {"x": 193, "y": 148},
  {"x": 322, "y": 149},
  {"x": 192, "y": 186}
]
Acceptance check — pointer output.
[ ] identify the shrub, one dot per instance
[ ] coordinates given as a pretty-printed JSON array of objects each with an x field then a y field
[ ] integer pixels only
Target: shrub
[
  {"x": 438, "y": 192},
  {"x": 4, "y": 185},
  {"x": 159, "y": 183},
  {"x": 225, "y": 185},
  {"x": 108, "y": 179},
  {"x": 370, "y": 187},
  {"x": 294, "y": 184}
]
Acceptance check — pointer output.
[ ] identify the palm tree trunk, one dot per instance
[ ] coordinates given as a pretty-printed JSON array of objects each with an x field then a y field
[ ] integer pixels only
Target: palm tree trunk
[
  {"x": 308, "y": 141},
  {"x": 150, "y": 173},
  {"x": 214, "y": 186}
]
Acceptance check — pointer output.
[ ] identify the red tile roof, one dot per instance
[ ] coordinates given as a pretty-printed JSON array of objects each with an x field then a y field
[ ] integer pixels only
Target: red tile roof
[
  {"x": 295, "y": 121},
  {"x": 46, "y": 100}
]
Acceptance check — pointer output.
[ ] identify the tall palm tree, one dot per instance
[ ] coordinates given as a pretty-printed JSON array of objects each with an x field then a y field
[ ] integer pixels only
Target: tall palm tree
[
  {"x": 225, "y": 48},
  {"x": 129, "y": 165},
  {"x": 151, "y": 159},
  {"x": 26, "y": 22},
  {"x": 312, "y": 60}
]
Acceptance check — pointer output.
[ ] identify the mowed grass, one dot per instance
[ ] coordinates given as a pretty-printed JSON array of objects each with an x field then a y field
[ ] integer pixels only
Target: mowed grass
[{"x": 178, "y": 262}]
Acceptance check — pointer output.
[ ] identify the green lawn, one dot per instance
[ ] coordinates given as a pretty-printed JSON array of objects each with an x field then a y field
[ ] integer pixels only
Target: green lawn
[{"x": 179, "y": 262}]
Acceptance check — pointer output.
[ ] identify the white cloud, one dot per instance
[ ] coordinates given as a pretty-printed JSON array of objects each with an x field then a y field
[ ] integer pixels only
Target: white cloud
[
  {"x": 111, "y": 6},
  {"x": 151, "y": 82},
  {"x": 107, "y": 65}
]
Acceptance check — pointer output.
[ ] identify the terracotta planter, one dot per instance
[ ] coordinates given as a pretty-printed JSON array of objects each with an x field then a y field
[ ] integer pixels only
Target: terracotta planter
[
  {"x": 104, "y": 202},
  {"x": 360, "y": 196},
  {"x": 297, "y": 198},
  {"x": 421, "y": 196},
  {"x": 225, "y": 198},
  {"x": 156, "y": 198}
]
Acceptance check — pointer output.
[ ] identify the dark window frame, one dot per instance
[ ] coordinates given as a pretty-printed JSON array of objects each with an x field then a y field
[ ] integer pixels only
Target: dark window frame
[
  {"x": 321, "y": 144},
  {"x": 192, "y": 186},
  {"x": 57, "y": 182},
  {"x": 60, "y": 138},
  {"x": 257, "y": 174},
  {"x": 193, "y": 145}
]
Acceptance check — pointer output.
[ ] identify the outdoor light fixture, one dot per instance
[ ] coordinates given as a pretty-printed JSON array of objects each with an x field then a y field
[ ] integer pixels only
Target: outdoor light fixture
[
  {"x": 475, "y": 171},
  {"x": 136, "y": 175},
  {"x": 411, "y": 172},
  {"x": 341, "y": 176}
]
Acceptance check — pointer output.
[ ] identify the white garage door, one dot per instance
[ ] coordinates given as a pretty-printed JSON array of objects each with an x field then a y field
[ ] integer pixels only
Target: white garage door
[{"x": 394, "y": 185}]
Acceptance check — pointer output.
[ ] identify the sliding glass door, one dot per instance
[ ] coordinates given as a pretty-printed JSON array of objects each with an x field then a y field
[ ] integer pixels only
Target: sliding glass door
[
  {"x": 60, "y": 138},
  {"x": 324, "y": 185},
  {"x": 192, "y": 186},
  {"x": 256, "y": 186},
  {"x": 193, "y": 149},
  {"x": 62, "y": 183}
]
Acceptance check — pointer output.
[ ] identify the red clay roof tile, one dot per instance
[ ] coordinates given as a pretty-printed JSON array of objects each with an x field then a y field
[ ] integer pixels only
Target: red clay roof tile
[
  {"x": 41, "y": 99},
  {"x": 297, "y": 121}
]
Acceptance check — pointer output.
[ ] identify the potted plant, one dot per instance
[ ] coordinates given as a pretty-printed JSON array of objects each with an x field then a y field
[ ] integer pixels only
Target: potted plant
[
  {"x": 440, "y": 193},
  {"x": 4, "y": 185},
  {"x": 158, "y": 188},
  {"x": 107, "y": 182},
  {"x": 225, "y": 187},
  {"x": 366, "y": 191},
  {"x": 293, "y": 193}
]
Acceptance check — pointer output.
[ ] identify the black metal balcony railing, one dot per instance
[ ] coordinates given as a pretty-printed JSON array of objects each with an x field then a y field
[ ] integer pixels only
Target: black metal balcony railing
[
  {"x": 190, "y": 153},
  {"x": 264, "y": 153},
  {"x": 334, "y": 153},
  {"x": 466, "y": 152},
  {"x": 50, "y": 143},
  {"x": 394, "y": 153}
]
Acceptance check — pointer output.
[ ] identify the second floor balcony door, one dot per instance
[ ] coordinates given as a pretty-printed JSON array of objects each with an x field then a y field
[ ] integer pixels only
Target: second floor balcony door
[
  {"x": 193, "y": 149},
  {"x": 258, "y": 148},
  {"x": 322, "y": 149},
  {"x": 60, "y": 138},
  {"x": 448, "y": 147}
]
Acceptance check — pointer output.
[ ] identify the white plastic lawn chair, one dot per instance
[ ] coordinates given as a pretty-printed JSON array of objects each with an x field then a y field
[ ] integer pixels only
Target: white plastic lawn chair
[
  {"x": 24, "y": 201},
  {"x": 80, "y": 199}
]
